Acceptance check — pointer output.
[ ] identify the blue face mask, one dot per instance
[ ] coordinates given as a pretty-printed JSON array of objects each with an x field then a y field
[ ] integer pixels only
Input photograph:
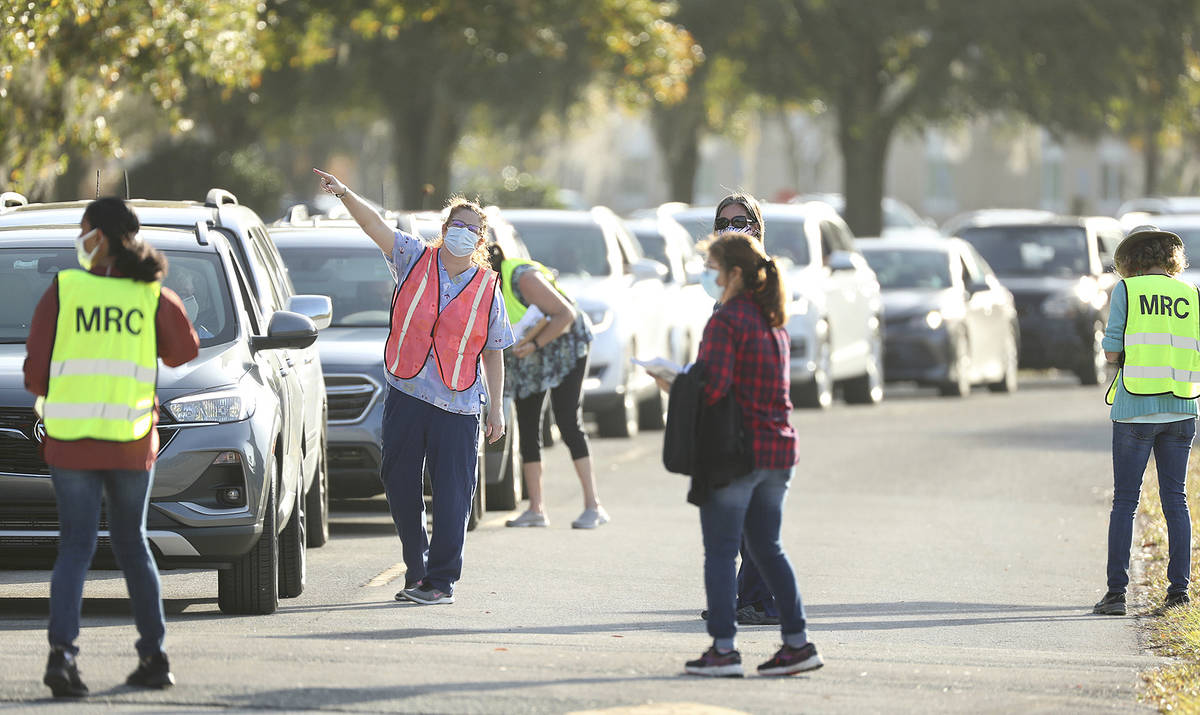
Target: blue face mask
[
  {"x": 708, "y": 279},
  {"x": 460, "y": 241}
]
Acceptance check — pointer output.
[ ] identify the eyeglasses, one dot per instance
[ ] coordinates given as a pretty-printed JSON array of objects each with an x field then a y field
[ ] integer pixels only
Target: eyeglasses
[
  {"x": 738, "y": 222},
  {"x": 455, "y": 223}
]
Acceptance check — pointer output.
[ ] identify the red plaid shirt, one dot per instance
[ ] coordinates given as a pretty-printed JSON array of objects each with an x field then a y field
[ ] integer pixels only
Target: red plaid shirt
[{"x": 741, "y": 352}]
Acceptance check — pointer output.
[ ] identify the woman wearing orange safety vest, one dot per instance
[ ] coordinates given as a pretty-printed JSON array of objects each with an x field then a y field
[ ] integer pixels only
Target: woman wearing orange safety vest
[{"x": 443, "y": 361}]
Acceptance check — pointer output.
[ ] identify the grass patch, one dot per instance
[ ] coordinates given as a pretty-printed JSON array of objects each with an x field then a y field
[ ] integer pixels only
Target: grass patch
[{"x": 1176, "y": 633}]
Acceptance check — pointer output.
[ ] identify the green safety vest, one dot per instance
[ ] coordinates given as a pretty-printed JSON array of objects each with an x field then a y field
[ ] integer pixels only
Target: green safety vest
[
  {"x": 1162, "y": 339},
  {"x": 104, "y": 364},
  {"x": 516, "y": 309}
]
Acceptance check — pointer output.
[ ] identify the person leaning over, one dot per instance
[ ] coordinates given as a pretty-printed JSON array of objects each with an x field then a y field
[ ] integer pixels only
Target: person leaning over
[
  {"x": 443, "y": 360},
  {"x": 99, "y": 411},
  {"x": 554, "y": 360},
  {"x": 745, "y": 353},
  {"x": 1153, "y": 333}
]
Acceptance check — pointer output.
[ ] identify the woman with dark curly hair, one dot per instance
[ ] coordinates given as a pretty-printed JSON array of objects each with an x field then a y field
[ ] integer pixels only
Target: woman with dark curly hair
[{"x": 1154, "y": 335}]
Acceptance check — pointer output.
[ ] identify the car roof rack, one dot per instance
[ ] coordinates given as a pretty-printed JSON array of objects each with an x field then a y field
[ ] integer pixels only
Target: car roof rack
[
  {"x": 202, "y": 233},
  {"x": 11, "y": 199},
  {"x": 219, "y": 197}
]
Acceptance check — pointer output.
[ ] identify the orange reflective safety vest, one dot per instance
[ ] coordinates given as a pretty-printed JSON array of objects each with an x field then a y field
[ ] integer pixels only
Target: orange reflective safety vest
[{"x": 456, "y": 335}]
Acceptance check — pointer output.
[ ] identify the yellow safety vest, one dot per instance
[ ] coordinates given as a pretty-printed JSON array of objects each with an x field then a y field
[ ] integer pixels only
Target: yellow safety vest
[
  {"x": 1162, "y": 339},
  {"x": 515, "y": 308},
  {"x": 104, "y": 364}
]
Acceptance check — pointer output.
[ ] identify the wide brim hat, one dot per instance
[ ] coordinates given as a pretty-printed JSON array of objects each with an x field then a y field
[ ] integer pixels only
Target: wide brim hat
[{"x": 1139, "y": 235}]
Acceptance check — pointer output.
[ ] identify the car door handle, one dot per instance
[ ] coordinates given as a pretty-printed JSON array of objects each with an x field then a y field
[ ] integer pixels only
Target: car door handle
[
  {"x": 288, "y": 359},
  {"x": 283, "y": 372}
]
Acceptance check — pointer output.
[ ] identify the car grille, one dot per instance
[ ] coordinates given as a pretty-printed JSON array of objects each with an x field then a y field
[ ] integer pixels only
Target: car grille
[
  {"x": 349, "y": 458},
  {"x": 23, "y": 456},
  {"x": 1029, "y": 303},
  {"x": 349, "y": 396}
]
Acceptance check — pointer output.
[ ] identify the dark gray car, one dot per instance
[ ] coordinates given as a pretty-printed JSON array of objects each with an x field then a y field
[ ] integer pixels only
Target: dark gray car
[{"x": 228, "y": 491}]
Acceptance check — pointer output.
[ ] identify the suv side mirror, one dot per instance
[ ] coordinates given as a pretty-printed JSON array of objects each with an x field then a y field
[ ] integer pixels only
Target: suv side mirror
[
  {"x": 317, "y": 307},
  {"x": 646, "y": 269},
  {"x": 286, "y": 330},
  {"x": 841, "y": 261}
]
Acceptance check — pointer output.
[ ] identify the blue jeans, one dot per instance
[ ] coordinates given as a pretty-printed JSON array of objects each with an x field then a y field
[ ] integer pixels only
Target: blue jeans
[
  {"x": 752, "y": 505},
  {"x": 417, "y": 435},
  {"x": 126, "y": 495},
  {"x": 1171, "y": 443}
]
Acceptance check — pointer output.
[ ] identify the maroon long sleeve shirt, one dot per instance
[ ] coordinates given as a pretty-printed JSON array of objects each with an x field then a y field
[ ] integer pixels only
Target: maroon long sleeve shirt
[{"x": 177, "y": 344}]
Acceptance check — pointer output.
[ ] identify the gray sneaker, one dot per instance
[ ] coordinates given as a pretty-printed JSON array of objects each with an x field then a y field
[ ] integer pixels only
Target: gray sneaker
[
  {"x": 529, "y": 518},
  {"x": 591, "y": 518}
]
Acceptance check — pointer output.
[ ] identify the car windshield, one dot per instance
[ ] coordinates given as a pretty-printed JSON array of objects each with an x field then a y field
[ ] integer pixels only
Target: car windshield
[
  {"x": 569, "y": 248},
  {"x": 785, "y": 237},
  {"x": 699, "y": 226},
  {"x": 1191, "y": 241},
  {"x": 654, "y": 244},
  {"x": 1032, "y": 250},
  {"x": 26, "y": 273},
  {"x": 909, "y": 269},
  {"x": 357, "y": 281}
]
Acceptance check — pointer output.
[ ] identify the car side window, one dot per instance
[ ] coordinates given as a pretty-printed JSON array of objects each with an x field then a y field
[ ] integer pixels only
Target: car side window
[
  {"x": 629, "y": 252},
  {"x": 275, "y": 265},
  {"x": 976, "y": 265},
  {"x": 249, "y": 303},
  {"x": 272, "y": 300}
]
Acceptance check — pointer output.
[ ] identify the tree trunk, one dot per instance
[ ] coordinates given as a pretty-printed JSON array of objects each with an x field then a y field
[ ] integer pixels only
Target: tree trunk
[
  {"x": 864, "y": 157},
  {"x": 677, "y": 130},
  {"x": 426, "y": 129},
  {"x": 1152, "y": 158}
]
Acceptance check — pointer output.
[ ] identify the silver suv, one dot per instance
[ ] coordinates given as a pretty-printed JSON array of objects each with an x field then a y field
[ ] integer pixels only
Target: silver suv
[{"x": 258, "y": 345}]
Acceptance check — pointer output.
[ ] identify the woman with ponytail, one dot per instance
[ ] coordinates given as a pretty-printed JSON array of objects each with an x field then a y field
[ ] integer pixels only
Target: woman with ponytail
[
  {"x": 745, "y": 354},
  {"x": 95, "y": 383}
]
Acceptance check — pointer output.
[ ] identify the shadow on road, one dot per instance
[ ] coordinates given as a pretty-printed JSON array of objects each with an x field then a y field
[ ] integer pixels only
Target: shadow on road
[{"x": 40, "y": 607}]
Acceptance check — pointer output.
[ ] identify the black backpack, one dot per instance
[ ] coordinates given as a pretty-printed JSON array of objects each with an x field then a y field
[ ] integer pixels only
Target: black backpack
[{"x": 706, "y": 442}]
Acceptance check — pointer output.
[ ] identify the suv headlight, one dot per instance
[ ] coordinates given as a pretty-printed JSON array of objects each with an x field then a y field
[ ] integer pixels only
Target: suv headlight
[
  {"x": 217, "y": 406},
  {"x": 601, "y": 319},
  {"x": 931, "y": 320}
]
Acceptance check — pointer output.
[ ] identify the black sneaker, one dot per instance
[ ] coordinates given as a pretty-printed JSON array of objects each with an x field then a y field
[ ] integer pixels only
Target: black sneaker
[
  {"x": 1176, "y": 599},
  {"x": 62, "y": 675},
  {"x": 716, "y": 664},
  {"x": 1113, "y": 604},
  {"x": 152, "y": 672},
  {"x": 789, "y": 660},
  {"x": 750, "y": 616}
]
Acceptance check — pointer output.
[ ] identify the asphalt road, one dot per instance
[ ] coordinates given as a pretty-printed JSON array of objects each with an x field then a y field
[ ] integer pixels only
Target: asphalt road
[{"x": 948, "y": 551}]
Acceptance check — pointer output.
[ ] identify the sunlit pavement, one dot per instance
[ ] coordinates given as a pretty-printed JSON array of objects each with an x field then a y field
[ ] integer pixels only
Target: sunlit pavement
[{"x": 949, "y": 551}]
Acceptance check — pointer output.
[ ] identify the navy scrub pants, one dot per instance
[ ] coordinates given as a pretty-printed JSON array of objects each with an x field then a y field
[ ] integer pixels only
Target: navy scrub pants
[{"x": 417, "y": 435}]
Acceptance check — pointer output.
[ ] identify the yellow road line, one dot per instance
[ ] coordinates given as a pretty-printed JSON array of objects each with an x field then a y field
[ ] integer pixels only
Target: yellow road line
[{"x": 386, "y": 576}]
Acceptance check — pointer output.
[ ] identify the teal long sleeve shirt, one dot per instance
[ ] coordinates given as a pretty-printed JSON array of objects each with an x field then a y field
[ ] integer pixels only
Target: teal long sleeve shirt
[{"x": 1130, "y": 407}]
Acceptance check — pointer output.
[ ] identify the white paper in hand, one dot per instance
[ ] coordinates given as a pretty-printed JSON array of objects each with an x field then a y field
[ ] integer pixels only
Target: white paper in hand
[
  {"x": 660, "y": 367},
  {"x": 527, "y": 321}
]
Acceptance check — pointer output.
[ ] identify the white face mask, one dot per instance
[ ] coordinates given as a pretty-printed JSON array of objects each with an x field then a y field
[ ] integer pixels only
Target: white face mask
[
  {"x": 708, "y": 279},
  {"x": 191, "y": 307},
  {"x": 460, "y": 241},
  {"x": 85, "y": 258}
]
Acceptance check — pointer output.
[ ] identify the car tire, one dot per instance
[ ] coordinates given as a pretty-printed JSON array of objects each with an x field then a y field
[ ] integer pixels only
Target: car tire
[
  {"x": 1092, "y": 372},
  {"x": 960, "y": 383},
  {"x": 316, "y": 503},
  {"x": 505, "y": 494},
  {"x": 1008, "y": 383},
  {"x": 867, "y": 388},
  {"x": 818, "y": 392},
  {"x": 620, "y": 420},
  {"x": 652, "y": 414},
  {"x": 477, "y": 498},
  {"x": 251, "y": 584},
  {"x": 293, "y": 553}
]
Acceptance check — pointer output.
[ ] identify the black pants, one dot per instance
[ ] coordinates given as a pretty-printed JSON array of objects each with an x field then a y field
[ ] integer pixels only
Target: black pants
[{"x": 567, "y": 401}]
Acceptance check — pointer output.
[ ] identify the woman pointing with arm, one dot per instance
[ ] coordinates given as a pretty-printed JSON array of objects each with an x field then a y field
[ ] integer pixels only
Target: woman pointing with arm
[{"x": 443, "y": 360}]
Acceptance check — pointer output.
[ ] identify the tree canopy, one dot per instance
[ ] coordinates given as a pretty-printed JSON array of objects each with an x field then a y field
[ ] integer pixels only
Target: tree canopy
[{"x": 66, "y": 66}]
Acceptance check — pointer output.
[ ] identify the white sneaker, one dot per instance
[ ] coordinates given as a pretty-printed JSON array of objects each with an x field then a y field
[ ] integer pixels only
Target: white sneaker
[
  {"x": 591, "y": 518},
  {"x": 529, "y": 518}
]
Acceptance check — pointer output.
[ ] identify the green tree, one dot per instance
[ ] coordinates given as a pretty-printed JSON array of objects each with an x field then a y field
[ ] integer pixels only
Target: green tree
[
  {"x": 67, "y": 67},
  {"x": 426, "y": 65},
  {"x": 880, "y": 66}
]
